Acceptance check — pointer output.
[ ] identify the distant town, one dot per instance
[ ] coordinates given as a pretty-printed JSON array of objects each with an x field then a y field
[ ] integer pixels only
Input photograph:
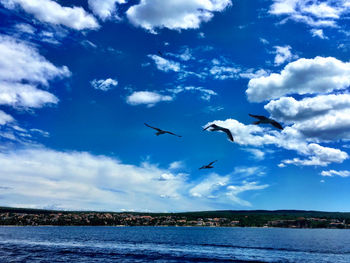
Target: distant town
[{"x": 259, "y": 218}]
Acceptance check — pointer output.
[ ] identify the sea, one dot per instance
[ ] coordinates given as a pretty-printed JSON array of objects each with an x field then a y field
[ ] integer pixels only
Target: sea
[{"x": 172, "y": 244}]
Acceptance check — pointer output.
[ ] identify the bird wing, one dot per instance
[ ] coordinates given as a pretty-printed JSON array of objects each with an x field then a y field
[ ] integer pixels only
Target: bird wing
[
  {"x": 212, "y": 162},
  {"x": 276, "y": 124},
  {"x": 227, "y": 131},
  {"x": 153, "y": 127},
  {"x": 207, "y": 127},
  {"x": 173, "y": 133},
  {"x": 257, "y": 116}
]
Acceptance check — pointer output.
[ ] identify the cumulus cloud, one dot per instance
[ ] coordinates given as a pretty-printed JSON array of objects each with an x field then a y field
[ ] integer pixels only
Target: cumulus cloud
[
  {"x": 283, "y": 54},
  {"x": 324, "y": 117},
  {"x": 332, "y": 173},
  {"x": 304, "y": 76},
  {"x": 289, "y": 139},
  {"x": 149, "y": 98},
  {"x": 313, "y": 13},
  {"x": 80, "y": 180},
  {"x": 22, "y": 63},
  {"x": 104, "y": 84},
  {"x": 49, "y": 11},
  {"x": 105, "y": 9},
  {"x": 174, "y": 14},
  {"x": 165, "y": 64}
]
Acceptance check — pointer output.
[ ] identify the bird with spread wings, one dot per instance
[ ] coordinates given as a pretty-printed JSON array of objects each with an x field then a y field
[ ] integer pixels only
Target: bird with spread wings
[
  {"x": 214, "y": 127},
  {"x": 160, "y": 131},
  {"x": 263, "y": 119}
]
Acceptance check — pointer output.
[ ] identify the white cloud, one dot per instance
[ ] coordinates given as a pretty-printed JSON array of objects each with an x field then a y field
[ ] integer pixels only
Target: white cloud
[
  {"x": 264, "y": 41},
  {"x": 304, "y": 76},
  {"x": 313, "y": 13},
  {"x": 289, "y": 139},
  {"x": 24, "y": 95},
  {"x": 22, "y": 63},
  {"x": 105, "y": 9},
  {"x": 324, "y": 117},
  {"x": 318, "y": 33},
  {"x": 104, "y": 84},
  {"x": 223, "y": 72},
  {"x": 206, "y": 94},
  {"x": 5, "y": 118},
  {"x": 176, "y": 165},
  {"x": 283, "y": 54},
  {"x": 165, "y": 64},
  {"x": 208, "y": 187},
  {"x": 235, "y": 190},
  {"x": 174, "y": 14},
  {"x": 25, "y": 28},
  {"x": 258, "y": 154},
  {"x": 51, "y": 12},
  {"x": 150, "y": 98},
  {"x": 79, "y": 180},
  {"x": 334, "y": 173}
]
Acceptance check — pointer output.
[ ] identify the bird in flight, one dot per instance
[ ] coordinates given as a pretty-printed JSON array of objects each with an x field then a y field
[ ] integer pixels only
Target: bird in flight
[
  {"x": 214, "y": 127},
  {"x": 263, "y": 119},
  {"x": 208, "y": 166},
  {"x": 160, "y": 132}
]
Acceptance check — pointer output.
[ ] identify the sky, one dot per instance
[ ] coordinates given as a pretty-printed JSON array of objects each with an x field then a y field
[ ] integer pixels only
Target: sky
[{"x": 78, "y": 80}]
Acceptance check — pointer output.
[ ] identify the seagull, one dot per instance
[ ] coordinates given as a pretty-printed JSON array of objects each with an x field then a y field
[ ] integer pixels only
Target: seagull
[
  {"x": 215, "y": 127},
  {"x": 263, "y": 119},
  {"x": 208, "y": 166},
  {"x": 160, "y": 132}
]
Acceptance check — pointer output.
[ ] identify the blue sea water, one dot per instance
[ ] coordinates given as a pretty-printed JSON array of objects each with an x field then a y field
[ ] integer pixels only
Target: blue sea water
[{"x": 172, "y": 244}]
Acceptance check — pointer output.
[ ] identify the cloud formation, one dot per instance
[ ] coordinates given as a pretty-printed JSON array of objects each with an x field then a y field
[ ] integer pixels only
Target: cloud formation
[
  {"x": 304, "y": 76},
  {"x": 332, "y": 173},
  {"x": 165, "y": 64},
  {"x": 313, "y": 13},
  {"x": 104, "y": 84},
  {"x": 149, "y": 98},
  {"x": 283, "y": 54},
  {"x": 75, "y": 180},
  {"x": 289, "y": 139},
  {"x": 49, "y": 11},
  {"x": 105, "y": 9},
  {"x": 174, "y": 14},
  {"x": 22, "y": 63}
]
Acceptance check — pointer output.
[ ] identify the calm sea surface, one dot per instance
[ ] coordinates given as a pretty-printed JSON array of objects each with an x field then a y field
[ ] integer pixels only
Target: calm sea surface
[{"x": 172, "y": 244}]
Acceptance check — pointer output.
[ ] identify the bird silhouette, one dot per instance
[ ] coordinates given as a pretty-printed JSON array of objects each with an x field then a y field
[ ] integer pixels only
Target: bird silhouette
[
  {"x": 214, "y": 127},
  {"x": 263, "y": 119},
  {"x": 208, "y": 166},
  {"x": 160, "y": 131}
]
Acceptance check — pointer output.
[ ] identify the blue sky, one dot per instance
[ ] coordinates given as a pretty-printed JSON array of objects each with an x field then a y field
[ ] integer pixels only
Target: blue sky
[{"x": 78, "y": 81}]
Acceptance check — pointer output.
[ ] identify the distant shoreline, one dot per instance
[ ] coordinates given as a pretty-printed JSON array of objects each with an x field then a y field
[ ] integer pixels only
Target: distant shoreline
[{"x": 225, "y": 218}]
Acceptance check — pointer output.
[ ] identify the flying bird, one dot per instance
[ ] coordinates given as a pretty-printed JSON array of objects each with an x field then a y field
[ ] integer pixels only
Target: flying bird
[
  {"x": 263, "y": 119},
  {"x": 214, "y": 127},
  {"x": 160, "y": 132},
  {"x": 208, "y": 166}
]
